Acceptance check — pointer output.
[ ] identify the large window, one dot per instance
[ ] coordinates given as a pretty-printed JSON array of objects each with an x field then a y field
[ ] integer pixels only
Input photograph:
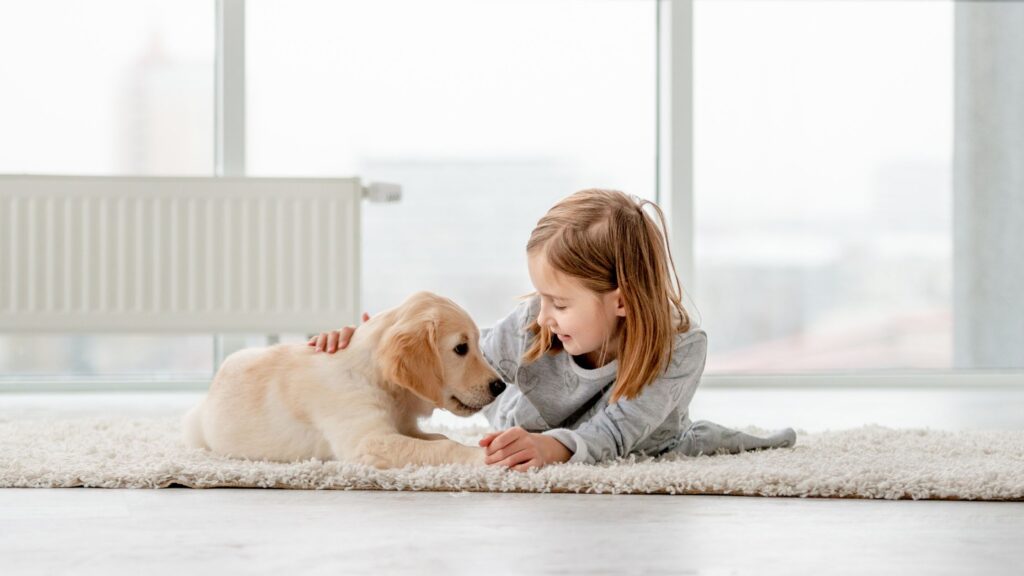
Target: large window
[
  {"x": 837, "y": 227},
  {"x": 106, "y": 87},
  {"x": 823, "y": 184},
  {"x": 485, "y": 112}
]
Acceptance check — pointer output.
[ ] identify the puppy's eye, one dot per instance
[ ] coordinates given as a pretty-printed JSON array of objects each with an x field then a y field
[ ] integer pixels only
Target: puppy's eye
[{"x": 462, "y": 349}]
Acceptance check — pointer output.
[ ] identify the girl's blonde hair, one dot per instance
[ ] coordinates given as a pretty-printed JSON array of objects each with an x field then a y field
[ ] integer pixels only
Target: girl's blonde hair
[{"x": 605, "y": 240}]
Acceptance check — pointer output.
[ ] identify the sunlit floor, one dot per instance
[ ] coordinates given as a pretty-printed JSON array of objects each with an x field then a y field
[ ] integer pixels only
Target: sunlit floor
[{"x": 183, "y": 531}]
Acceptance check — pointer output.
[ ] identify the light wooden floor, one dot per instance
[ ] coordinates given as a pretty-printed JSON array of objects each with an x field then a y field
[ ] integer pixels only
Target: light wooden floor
[{"x": 182, "y": 531}]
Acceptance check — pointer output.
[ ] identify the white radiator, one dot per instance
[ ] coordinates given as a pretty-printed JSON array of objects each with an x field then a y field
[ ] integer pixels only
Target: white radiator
[{"x": 196, "y": 255}]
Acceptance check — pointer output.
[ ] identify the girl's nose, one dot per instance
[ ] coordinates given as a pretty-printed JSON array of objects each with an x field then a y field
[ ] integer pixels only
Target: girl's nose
[{"x": 544, "y": 320}]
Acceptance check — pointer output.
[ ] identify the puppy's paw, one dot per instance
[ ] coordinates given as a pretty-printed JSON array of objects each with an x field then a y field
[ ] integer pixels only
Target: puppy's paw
[
  {"x": 374, "y": 460},
  {"x": 475, "y": 456},
  {"x": 375, "y": 452}
]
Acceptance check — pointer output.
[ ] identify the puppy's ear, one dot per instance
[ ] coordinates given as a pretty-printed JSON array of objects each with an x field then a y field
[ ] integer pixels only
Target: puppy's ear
[{"x": 409, "y": 356}]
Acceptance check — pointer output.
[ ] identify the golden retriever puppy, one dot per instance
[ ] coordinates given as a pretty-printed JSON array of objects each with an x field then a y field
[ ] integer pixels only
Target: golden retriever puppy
[{"x": 287, "y": 402}]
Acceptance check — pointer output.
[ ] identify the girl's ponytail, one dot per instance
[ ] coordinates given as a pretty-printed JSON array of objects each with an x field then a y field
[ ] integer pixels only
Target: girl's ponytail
[{"x": 654, "y": 313}]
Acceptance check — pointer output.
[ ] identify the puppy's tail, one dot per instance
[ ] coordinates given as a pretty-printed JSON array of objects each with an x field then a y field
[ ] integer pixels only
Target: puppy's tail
[{"x": 192, "y": 424}]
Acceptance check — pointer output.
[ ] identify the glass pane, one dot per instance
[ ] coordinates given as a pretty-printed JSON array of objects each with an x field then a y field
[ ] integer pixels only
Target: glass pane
[
  {"x": 485, "y": 112},
  {"x": 106, "y": 87},
  {"x": 823, "y": 184},
  {"x": 104, "y": 355}
]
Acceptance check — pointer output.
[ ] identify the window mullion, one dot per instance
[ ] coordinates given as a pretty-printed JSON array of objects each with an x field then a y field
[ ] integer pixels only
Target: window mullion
[
  {"x": 230, "y": 88},
  {"x": 675, "y": 133},
  {"x": 229, "y": 107}
]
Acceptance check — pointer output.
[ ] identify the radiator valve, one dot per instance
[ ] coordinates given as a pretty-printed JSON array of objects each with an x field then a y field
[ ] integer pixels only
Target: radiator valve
[{"x": 383, "y": 192}]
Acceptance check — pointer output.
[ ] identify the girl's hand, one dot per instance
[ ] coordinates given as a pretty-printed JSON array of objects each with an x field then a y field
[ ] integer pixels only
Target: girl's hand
[
  {"x": 520, "y": 450},
  {"x": 334, "y": 340}
]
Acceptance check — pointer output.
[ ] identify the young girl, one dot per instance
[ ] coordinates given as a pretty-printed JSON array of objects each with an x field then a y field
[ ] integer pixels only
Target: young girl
[{"x": 602, "y": 361}]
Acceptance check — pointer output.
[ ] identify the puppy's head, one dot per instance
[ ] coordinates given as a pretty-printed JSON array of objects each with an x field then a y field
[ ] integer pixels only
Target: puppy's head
[{"x": 432, "y": 348}]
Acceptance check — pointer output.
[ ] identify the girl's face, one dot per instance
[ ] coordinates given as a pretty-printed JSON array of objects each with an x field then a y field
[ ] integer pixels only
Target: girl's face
[{"x": 582, "y": 319}]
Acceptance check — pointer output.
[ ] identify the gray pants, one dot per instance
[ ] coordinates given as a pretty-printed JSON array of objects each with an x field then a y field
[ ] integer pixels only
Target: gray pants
[{"x": 705, "y": 437}]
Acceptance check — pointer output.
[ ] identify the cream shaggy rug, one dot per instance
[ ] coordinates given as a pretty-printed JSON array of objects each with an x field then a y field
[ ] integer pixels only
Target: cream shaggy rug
[{"x": 869, "y": 462}]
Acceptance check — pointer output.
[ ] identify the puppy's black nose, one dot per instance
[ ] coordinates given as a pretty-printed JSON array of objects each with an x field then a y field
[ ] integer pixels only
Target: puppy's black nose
[{"x": 496, "y": 387}]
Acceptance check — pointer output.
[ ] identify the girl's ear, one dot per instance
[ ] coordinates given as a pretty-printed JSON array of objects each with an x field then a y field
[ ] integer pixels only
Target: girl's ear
[{"x": 620, "y": 303}]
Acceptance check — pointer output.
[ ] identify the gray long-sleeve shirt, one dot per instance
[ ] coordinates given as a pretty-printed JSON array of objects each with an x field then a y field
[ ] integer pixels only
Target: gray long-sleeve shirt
[{"x": 557, "y": 397}]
